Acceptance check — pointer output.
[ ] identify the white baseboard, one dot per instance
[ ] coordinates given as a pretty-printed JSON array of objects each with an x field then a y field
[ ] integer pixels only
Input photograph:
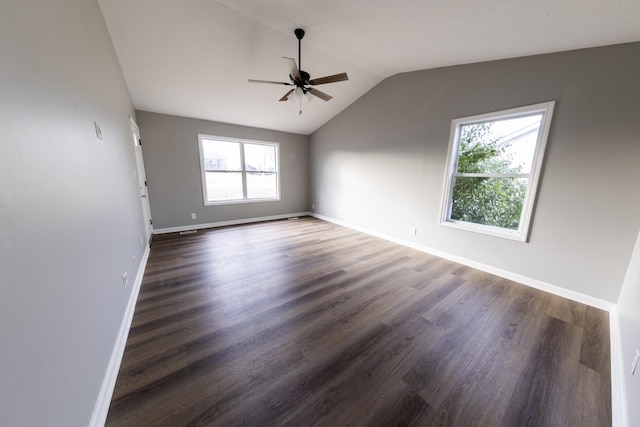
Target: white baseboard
[
  {"x": 226, "y": 223},
  {"x": 618, "y": 393},
  {"x": 534, "y": 283},
  {"x": 101, "y": 409}
]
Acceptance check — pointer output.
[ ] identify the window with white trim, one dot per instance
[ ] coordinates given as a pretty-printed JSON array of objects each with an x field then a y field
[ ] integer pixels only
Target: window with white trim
[
  {"x": 237, "y": 171},
  {"x": 493, "y": 169}
]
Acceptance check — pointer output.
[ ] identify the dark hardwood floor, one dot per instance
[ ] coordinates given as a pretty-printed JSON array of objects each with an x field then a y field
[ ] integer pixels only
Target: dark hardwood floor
[{"x": 304, "y": 322}]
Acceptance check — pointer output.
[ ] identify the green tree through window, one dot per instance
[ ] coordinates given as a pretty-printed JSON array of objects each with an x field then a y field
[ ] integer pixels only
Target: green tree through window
[
  {"x": 493, "y": 168},
  {"x": 494, "y": 201}
]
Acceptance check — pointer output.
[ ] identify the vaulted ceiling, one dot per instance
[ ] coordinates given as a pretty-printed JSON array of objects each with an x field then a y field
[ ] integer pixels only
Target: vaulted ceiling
[{"x": 193, "y": 58}]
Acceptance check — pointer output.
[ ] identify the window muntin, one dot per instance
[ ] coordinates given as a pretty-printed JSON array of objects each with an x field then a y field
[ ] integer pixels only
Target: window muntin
[
  {"x": 493, "y": 168},
  {"x": 236, "y": 171}
]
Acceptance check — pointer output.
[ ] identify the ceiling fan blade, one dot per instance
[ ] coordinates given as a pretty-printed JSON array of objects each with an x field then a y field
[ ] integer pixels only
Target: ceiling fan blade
[
  {"x": 290, "y": 63},
  {"x": 270, "y": 82},
  {"x": 286, "y": 96},
  {"x": 318, "y": 94},
  {"x": 329, "y": 79}
]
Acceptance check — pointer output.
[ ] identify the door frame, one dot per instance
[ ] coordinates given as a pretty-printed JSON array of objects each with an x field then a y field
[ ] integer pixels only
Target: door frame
[{"x": 142, "y": 181}]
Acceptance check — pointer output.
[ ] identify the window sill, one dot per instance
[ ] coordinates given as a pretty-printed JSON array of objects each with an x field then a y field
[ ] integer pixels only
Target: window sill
[
  {"x": 240, "y": 202},
  {"x": 487, "y": 230}
]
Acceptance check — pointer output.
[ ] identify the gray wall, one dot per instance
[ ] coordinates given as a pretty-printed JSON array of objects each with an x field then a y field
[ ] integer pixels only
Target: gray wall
[
  {"x": 70, "y": 215},
  {"x": 380, "y": 164},
  {"x": 172, "y": 164},
  {"x": 629, "y": 321}
]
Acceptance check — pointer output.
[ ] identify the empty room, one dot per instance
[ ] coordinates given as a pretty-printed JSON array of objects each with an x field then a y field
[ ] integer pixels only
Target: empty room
[{"x": 355, "y": 213}]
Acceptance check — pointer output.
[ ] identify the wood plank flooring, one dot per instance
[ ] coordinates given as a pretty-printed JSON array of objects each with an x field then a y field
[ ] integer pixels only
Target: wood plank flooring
[{"x": 303, "y": 322}]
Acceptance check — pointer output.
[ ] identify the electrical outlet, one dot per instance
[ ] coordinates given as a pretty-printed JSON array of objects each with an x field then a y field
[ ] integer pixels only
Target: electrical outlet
[
  {"x": 125, "y": 279},
  {"x": 414, "y": 231},
  {"x": 634, "y": 362},
  {"x": 135, "y": 261},
  {"x": 193, "y": 216}
]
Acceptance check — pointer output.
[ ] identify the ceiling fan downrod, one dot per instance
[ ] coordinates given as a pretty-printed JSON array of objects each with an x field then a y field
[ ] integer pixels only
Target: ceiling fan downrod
[{"x": 299, "y": 35}]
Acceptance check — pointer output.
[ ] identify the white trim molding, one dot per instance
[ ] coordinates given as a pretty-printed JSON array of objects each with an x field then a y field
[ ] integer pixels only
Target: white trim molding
[
  {"x": 226, "y": 223},
  {"x": 534, "y": 283},
  {"x": 103, "y": 402},
  {"x": 618, "y": 392}
]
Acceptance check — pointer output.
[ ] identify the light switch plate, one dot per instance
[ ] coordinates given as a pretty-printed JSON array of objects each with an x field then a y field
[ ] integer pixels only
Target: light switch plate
[
  {"x": 634, "y": 362},
  {"x": 98, "y": 130}
]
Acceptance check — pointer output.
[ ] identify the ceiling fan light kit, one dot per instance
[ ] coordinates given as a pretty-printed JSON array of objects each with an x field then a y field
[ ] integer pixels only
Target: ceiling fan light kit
[{"x": 301, "y": 80}]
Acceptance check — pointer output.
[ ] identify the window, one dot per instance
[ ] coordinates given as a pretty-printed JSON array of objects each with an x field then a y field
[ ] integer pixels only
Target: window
[
  {"x": 493, "y": 169},
  {"x": 236, "y": 171}
]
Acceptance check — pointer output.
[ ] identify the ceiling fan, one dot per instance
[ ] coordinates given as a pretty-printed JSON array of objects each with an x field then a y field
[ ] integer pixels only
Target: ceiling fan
[{"x": 301, "y": 80}]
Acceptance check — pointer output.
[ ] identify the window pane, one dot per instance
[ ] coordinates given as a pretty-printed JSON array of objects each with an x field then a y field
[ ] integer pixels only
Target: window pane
[
  {"x": 489, "y": 201},
  {"x": 221, "y": 155},
  {"x": 224, "y": 186},
  {"x": 261, "y": 185},
  {"x": 259, "y": 157},
  {"x": 235, "y": 171},
  {"x": 500, "y": 146}
]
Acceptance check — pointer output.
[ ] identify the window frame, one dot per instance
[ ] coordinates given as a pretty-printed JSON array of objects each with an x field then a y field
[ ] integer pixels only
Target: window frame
[
  {"x": 243, "y": 170},
  {"x": 522, "y": 233}
]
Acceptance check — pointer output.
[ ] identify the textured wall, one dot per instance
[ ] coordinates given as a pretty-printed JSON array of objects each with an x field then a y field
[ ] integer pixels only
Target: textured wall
[{"x": 380, "y": 164}]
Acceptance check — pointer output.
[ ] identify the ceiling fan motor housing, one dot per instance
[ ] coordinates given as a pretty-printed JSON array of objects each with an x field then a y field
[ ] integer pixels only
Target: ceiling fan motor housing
[{"x": 304, "y": 79}]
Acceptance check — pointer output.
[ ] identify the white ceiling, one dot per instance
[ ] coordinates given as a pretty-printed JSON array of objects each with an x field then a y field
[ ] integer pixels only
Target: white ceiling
[{"x": 192, "y": 58}]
